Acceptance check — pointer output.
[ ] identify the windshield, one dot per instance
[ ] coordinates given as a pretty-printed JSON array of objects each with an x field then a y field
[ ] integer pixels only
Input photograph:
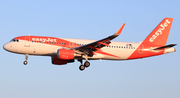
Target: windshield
[{"x": 14, "y": 40}]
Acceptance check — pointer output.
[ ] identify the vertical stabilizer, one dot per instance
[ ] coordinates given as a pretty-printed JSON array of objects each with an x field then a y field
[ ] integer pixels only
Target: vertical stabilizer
[{"x": 160, "y": 34}]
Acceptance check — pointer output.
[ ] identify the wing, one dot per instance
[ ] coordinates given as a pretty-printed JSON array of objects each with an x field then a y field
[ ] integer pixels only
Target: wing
[{"x": 94, "y": 46}]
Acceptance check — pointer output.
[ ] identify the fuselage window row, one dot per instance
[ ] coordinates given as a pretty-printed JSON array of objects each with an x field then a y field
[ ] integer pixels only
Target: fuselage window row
[{"x": 127, "y": 47}]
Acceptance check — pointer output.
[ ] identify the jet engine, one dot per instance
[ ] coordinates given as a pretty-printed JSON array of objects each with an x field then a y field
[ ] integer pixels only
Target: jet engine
[
  {"x": 65, "y": 54},
  {"x": 57, "y": 61}
]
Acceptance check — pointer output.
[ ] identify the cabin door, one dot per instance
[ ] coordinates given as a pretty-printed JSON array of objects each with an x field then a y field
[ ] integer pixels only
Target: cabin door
[
  {"x": 27, "y": 42},
  {"x": 140, "y": 49}
]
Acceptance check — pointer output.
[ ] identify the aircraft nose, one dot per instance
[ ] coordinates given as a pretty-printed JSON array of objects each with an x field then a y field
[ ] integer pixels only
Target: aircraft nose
[{"x": 7, "y": 47}]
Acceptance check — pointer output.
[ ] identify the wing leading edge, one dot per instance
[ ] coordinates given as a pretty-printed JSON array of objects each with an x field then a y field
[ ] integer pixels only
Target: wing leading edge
[{"x": 94, "y": 46}]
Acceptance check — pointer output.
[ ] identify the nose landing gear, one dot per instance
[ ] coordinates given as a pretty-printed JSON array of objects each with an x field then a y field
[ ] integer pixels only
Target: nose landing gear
[{"x": 25, "y": 62}]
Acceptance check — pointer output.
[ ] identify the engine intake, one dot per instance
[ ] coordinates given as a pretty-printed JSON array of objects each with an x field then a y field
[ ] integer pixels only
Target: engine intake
[{"x": 65, "y": 54}]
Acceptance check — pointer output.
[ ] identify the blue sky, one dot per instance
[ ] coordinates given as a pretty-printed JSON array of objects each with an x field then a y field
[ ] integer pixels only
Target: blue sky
[{"x": 154, "y": 77}]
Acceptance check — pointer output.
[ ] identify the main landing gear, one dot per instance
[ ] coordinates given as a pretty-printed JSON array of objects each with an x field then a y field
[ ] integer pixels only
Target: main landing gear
[
  {"x": 25, "y": 62},
  {"x": 82, "y": 67}
]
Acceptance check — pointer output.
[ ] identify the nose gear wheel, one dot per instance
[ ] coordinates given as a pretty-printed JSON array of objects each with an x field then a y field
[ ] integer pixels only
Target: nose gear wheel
[{"x": 25, "y": 62}]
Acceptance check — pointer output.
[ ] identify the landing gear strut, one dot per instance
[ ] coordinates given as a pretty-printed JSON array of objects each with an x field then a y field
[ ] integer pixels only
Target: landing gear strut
[
  {"x": 25, "y": 62},
  {"x": 82, "y": 67}
]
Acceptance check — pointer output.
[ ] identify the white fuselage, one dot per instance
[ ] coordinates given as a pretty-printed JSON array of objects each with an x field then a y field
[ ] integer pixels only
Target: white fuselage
[{"x": 119, "y": 50}]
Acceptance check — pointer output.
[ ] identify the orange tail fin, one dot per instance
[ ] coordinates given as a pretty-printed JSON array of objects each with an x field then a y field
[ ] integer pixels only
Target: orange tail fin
[{"x": 160, "y": 34}]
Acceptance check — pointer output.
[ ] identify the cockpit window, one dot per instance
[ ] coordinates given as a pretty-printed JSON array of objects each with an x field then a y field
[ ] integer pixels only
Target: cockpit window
[{"x": 14, "y": 40}]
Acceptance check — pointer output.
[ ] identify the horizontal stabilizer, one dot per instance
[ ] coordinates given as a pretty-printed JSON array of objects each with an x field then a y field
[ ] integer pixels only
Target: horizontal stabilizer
[{"x": 167, "y": 46}]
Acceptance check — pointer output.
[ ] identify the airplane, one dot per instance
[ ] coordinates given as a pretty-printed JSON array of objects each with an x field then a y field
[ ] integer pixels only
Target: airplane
[{"x": 67, "y": 50}]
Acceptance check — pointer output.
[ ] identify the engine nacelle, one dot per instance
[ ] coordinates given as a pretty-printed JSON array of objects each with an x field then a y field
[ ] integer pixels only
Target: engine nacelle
[
  {"x": 57, "y": 61},
  {"x": 65, "y": 54}
]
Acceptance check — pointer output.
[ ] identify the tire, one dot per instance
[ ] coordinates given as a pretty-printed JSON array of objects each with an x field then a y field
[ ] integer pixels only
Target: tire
[
  {"x": 86, "y": 64},
  {"x": 81, "y": 67},
  {"x": 25, "y": 62}
]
